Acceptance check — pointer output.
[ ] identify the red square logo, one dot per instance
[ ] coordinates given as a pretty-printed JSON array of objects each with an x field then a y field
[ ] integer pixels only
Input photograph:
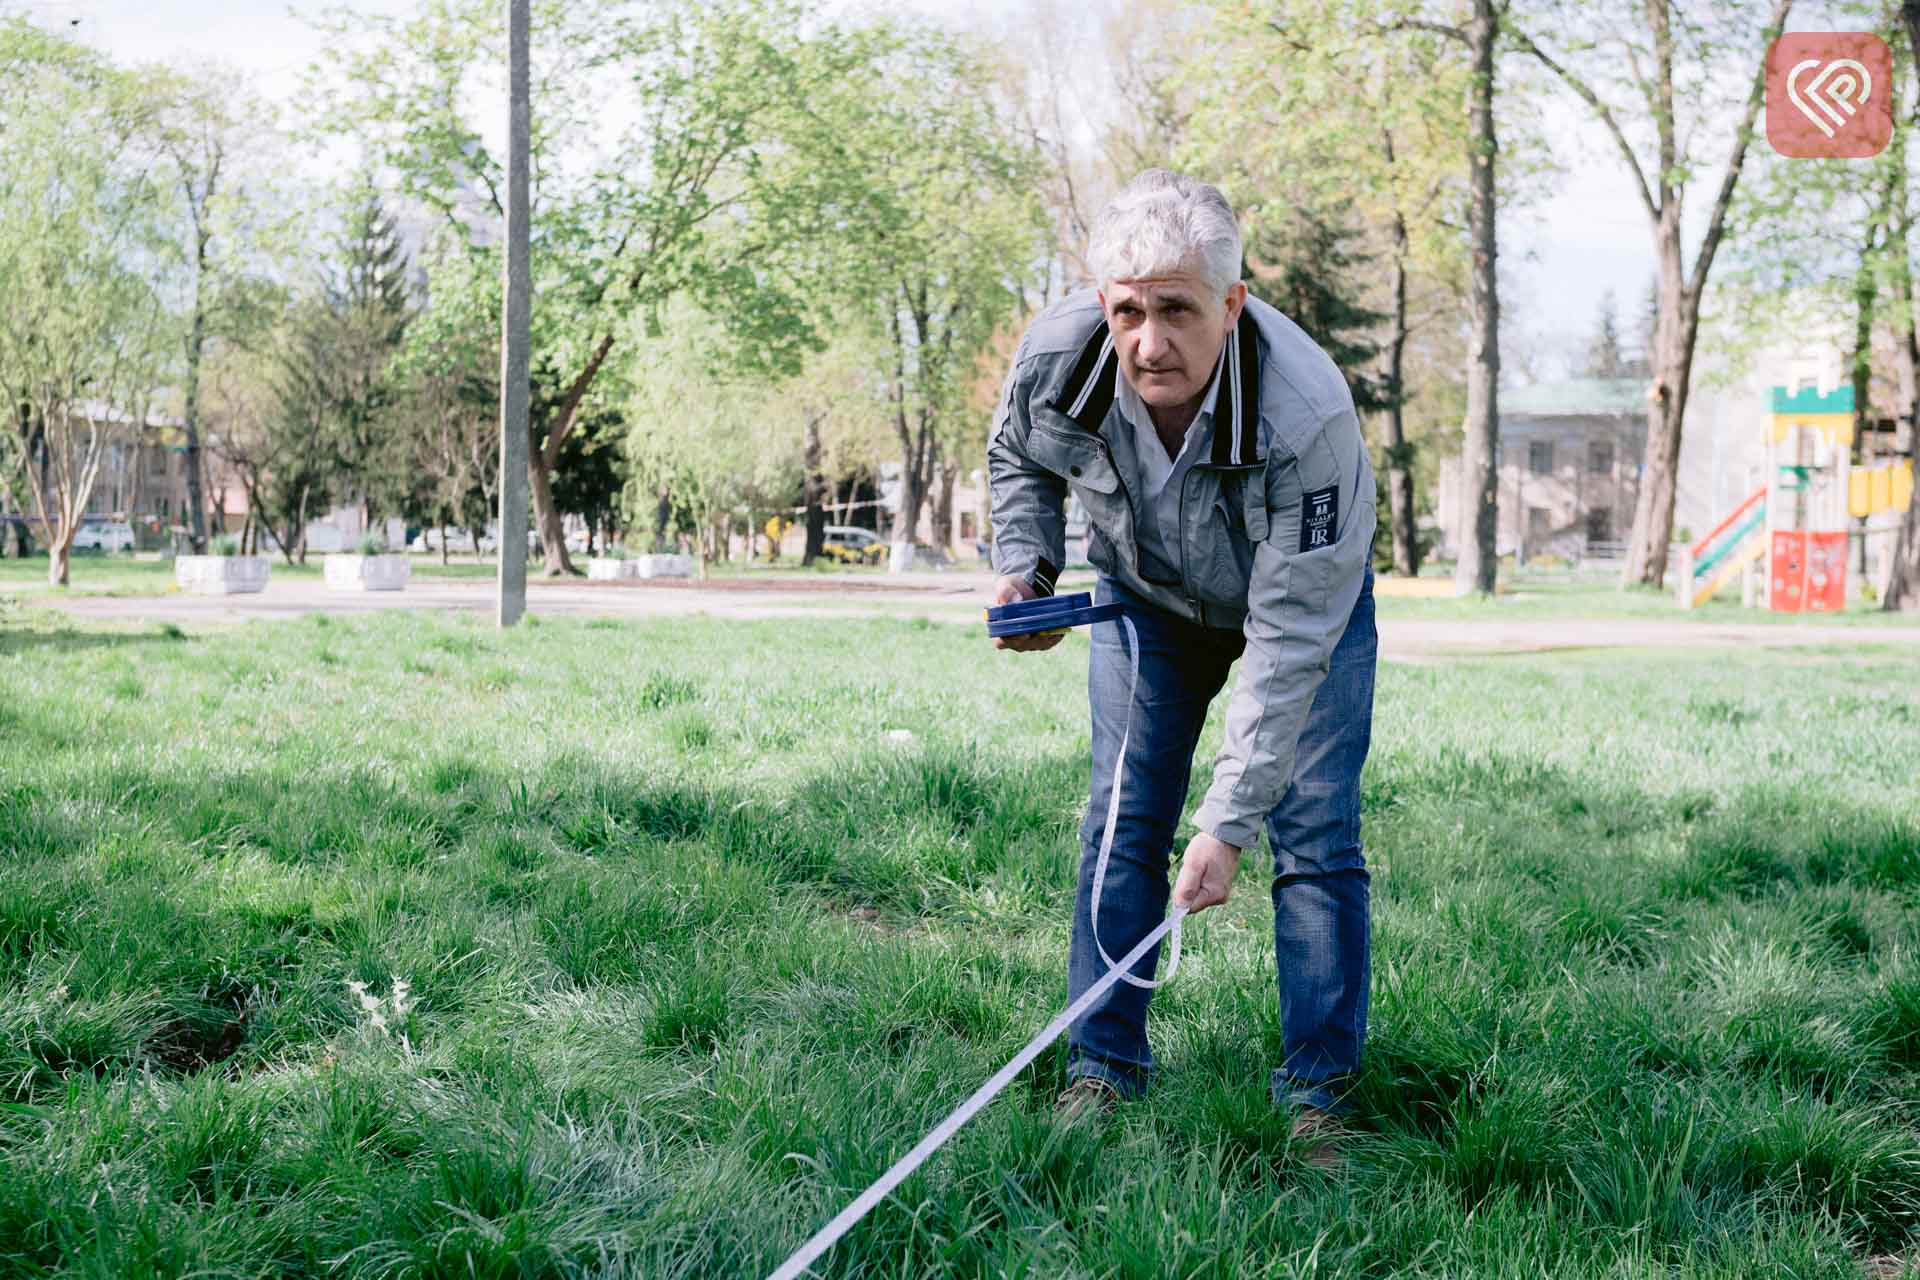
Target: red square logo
[{"x": 1829, "y": 94}]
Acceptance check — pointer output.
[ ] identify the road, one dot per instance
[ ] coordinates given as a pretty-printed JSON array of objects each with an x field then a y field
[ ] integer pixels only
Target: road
[{"x": 948, "y": 597}]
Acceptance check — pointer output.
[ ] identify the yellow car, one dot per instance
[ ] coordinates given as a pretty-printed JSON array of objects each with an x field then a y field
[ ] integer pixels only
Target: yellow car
[{"x": 850, "y": 545}]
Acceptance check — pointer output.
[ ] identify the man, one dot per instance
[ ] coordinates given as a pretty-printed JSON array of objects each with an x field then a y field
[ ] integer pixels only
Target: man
[{"x": 1217, "y": 452}]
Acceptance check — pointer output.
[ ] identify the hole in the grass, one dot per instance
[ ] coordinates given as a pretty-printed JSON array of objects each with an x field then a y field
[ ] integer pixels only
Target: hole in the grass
[{"x": 190, "y": 1045}]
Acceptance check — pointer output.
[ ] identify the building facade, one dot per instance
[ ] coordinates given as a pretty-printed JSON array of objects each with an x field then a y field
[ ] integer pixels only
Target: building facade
[{"x": 1568, "y": 468}]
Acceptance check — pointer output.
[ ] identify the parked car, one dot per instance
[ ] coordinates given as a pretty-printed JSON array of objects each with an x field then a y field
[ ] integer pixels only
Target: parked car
[
  {"x": 461, "y": 540},
  {"x": 103, "y": 536},
  {"x": 850, "y": 545}
]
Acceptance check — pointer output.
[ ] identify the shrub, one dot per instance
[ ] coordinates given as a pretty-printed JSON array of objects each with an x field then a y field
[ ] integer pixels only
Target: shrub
[
  {"x": 370, "y": 544},
  {"x": 226, "y": 545}
]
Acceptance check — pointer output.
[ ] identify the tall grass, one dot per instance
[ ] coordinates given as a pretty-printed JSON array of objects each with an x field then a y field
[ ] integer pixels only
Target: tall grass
[{"x": 697, "y": 948}]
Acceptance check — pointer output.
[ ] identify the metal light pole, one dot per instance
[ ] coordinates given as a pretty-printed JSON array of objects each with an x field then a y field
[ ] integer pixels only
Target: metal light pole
[{"x": 515, "y": 316}]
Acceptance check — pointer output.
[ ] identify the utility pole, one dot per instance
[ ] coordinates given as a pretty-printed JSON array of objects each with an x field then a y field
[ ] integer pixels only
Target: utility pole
[{"x": 515, "y": 317}]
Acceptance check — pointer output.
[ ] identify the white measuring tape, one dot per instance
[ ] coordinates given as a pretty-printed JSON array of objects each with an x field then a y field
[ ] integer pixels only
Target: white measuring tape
[{"x": 828, "y": 1236}]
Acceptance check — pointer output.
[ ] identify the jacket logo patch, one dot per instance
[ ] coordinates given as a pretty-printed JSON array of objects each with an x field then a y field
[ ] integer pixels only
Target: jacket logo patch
[{"x": 1319, "y": 517}]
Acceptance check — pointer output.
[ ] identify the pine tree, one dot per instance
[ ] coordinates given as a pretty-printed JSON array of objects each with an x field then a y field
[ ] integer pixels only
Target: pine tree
[
  {"x": 368, "y": 306},
  {"x": 1313, "y": 274},
  {"x": 1604, "y": 357}
]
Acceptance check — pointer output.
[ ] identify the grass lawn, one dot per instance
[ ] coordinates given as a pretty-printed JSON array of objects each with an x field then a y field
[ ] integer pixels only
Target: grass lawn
[{"x": 693, "y": 951}]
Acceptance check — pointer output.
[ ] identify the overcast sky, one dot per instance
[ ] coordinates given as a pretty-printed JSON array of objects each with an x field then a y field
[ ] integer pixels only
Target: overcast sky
[{"x": 1589, "y": 235}]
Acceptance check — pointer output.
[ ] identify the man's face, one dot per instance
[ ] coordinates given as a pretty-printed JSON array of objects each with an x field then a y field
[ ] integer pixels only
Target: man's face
[{"x": 1168, "y": 330}]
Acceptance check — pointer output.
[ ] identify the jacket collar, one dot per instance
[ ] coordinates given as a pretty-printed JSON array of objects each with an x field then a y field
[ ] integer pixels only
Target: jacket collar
[{"x": 1088, "y": 392}]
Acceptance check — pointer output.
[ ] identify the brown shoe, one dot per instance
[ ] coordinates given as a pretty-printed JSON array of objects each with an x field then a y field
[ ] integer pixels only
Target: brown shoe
[
  {"x": 1320, "y": 1135},
  {"x": 1086, "y": 1096}
]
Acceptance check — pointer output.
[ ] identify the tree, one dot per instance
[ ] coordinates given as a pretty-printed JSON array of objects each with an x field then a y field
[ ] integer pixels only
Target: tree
[
  {"x": 84, "y": 331},
  {"x": 365, "y": 308},
  {"x": 698, "y": 429},
  {"x": 1313, "y": 278},
  {"x": 733, "y": 164},
  {"x": 1604, "y": 357},
  {"x": 1642, "y": 62},
  {"x": 1359, "y": 138},
  {"x": 447, "y": 409},
  {"x": 590, "y": 479},
  {"x": 209, "y": 131},
  {"x": 963, "y": 222}
]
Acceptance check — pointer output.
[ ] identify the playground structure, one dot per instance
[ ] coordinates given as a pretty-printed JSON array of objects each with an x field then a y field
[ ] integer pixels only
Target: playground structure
[{"x": 1788, "y": 538}]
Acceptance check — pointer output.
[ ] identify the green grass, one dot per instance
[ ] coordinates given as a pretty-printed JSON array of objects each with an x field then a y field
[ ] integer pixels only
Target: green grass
[
  {"x": 1560, "y": 597},
  {"x": 695, "y": 951}
]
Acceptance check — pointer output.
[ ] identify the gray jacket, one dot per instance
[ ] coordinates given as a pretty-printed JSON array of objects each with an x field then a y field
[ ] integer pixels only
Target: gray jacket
[{"x": 1276, "y": 521}]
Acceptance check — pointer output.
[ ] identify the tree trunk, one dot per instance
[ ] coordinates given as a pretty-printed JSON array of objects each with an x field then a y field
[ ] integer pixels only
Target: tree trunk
[
  {"x": 1399, "y": 458},
  {"x": 1866, "y": 294},
  {"x": 944, "y": 476},
  {"x": 662, "y": 517},
  {"x": 913, "y": 496},
  {"x": 1903, "y": 586},
  {"x": 196, "y": 345},
  {"x": 300, "y": 526},
  {"x": 815, "y": 484},
  {"x": 443, "y": 546},
  {"x": 59, "y": 551},
  {"x": 1479, "y": 559},
  {"x": 1666, "y": 403},
  {"x": 553, "y": 539}
]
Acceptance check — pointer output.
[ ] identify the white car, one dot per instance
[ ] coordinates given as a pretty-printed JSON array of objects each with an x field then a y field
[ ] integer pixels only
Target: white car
[{"x": 103, "y": 535}]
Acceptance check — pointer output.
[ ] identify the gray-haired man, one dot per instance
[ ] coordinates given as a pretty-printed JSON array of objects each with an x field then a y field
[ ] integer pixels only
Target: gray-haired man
[{"x": 1216, "y": 450}]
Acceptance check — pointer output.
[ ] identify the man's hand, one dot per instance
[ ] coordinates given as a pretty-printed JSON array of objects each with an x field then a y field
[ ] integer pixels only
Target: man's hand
[
  {"x": 1008, "y": 590},
  {"x": 1206, "y": 873}
]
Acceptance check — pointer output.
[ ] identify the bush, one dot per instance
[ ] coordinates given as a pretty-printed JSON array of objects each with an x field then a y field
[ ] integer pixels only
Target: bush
[
  {"x": 370, "y": 544},
  {"x": 225, "y": 545}
]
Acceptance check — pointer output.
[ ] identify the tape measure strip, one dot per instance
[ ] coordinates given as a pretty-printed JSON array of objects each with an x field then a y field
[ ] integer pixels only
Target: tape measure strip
[{"x": 828, "y": 1236}]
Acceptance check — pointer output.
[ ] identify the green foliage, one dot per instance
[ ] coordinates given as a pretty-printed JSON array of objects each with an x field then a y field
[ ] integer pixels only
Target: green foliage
[
  {"x": 321, "y": 420},
  {"x": 1309, "y": 275},
  {"x": 86, "y": 335},
  {"x": 225, "y": 545},
  {"x": 370, "y": 544}
]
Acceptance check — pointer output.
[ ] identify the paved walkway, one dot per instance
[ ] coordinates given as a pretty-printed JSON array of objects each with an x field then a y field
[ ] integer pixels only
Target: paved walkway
[{"x": 950, "y": 597}]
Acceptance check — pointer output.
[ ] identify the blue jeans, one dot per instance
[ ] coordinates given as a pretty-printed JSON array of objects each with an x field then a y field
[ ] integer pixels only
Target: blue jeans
[{"x": 1320, "y": 882}]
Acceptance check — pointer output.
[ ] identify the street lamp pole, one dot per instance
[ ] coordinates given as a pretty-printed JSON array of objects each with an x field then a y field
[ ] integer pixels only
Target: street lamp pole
[{"x": 515, "y": 319}]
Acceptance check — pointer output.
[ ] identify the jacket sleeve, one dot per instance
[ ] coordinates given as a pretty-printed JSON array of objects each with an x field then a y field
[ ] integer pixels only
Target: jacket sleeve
[
  {"x": 1306, "y": 579},
  {"x": 1028, "y": 501}
]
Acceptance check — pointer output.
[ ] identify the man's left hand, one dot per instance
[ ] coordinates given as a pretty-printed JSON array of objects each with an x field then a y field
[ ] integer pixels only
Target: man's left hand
[{"x": 1206, "y": 873}]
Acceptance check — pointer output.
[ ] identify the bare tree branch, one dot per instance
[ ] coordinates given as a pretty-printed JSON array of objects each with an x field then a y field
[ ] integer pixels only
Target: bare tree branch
[
  {"x": 1592, "y": 99},
  {"x": 1716, "y": 226}
]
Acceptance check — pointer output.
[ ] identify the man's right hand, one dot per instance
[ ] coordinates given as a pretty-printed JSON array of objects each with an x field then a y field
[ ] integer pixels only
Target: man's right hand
[{"x": 1008, "y": 590}]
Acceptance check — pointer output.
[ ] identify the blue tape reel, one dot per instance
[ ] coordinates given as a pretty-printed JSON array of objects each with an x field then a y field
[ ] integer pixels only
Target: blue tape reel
[{"x": 1048, "y": 613}]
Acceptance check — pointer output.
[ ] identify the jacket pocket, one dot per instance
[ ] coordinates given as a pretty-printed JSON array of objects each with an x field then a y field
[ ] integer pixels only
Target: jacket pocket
[
  {"x": 1224, "y": 565},
  {"x": 1082, "y": 463}
]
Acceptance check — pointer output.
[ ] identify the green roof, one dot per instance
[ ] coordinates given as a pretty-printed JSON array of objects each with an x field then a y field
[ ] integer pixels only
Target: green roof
[
  {"x": 1809, "y": 400},
  {"x": 1577, "y": 397}
]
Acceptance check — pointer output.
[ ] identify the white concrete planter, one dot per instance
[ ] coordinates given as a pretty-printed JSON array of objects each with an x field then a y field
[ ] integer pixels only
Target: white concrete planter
[
  {"x": 602, "y": 569},
  {"x": 220, "y": 575},
  {"x": 347, "y": 572},
  {"x": 667, "y": 566}
]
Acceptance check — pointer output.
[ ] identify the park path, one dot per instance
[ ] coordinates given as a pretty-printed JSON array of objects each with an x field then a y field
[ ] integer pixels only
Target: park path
[{"x": 949, "y": 597}]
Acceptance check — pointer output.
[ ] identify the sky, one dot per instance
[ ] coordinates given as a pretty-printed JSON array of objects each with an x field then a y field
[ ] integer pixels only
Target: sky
[{"x": 1586, "y": 236}]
